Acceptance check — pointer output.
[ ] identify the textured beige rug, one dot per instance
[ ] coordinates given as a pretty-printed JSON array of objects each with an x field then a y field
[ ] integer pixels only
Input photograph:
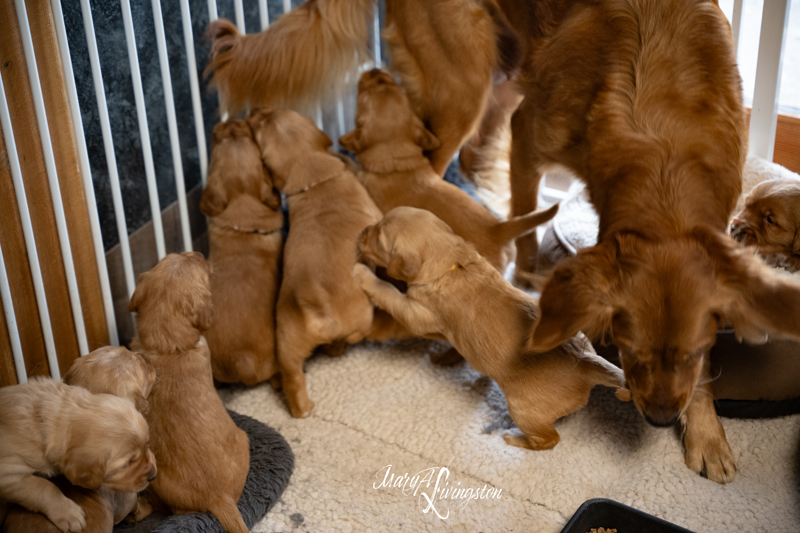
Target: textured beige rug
[{"x": 385, "y": 407}]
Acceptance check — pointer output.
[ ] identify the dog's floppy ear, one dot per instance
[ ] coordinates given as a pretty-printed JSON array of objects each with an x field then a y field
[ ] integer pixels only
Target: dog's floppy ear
[
  {"x": 404, "y": 267},
  {"x": 353, "y": 140},
  {"x": 84, "y": 469},
  {"x": 575, "y": 299},
  {"x": 215, "y": 199},
  {"x": 201, "y": 311},
  {"x": 423, "y": 137},
  {"x": 138, "y": 294}
]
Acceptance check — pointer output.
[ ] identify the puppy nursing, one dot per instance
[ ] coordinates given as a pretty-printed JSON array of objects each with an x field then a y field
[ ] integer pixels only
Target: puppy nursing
[
  {"x": 770, "y": 222},
  {"x": 389, "y": 141},
  {"x": 452, "y": 290},
  {"x": 203, "y": 457},
  {"x": 245, "y": 244}
]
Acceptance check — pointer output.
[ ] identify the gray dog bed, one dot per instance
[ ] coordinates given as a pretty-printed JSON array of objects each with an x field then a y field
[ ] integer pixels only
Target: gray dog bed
[{"x": 271, "y": 466}]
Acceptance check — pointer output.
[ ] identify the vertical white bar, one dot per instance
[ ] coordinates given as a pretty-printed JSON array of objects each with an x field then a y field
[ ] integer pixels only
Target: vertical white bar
[
  {"x": 86, "y": 173},
  {"x": 764, "y": 116},
  {"x": 52, "y": 177},
  {"x": 108, "y": 144},
  {"x": 263, "y": 14},
  {"x": 212, "y": 10},
  {"x": 736, "y": 25},
  {"x": 287, "y": 6},
  {"x": 144, "y": 132},
  {"x": 199, "y": 124},
  {"x": 318, "y": 117},
  {"x": 376, "y": 37},
  {"x": 27, "y": 230},
  {"x": 239, "y": 9},
  {"x": 340, "y": 117},
  {"x": 11, "y": 322},
  {"x": 172, "y": 124}
]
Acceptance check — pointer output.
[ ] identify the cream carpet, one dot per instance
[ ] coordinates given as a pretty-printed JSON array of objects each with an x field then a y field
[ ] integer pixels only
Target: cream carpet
[{"x": 383, "y": 406}]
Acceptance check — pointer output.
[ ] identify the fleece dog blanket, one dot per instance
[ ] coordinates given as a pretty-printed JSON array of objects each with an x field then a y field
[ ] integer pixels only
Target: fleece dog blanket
[{"x": 388, "y": 425}]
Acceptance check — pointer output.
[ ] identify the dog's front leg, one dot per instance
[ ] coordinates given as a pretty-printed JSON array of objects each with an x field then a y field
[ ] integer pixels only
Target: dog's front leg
[
  {"x": 40, "y": 495},
  {"x": 707, "y": 449},
  {"x": 418, "y": 319}
]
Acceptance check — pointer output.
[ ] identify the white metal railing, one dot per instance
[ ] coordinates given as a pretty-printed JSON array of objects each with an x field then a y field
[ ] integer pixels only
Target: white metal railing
[{"x": 761, "y": 140}]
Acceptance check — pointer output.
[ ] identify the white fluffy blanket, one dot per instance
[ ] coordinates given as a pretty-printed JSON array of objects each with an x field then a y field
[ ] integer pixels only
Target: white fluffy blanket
[{"x": 385, "y": 406}]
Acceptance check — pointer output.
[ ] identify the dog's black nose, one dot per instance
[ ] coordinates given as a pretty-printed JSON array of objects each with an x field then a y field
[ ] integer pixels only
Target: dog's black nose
[
  {"x": 660, "y": 422},
  {"x": 734, "y": 227}
]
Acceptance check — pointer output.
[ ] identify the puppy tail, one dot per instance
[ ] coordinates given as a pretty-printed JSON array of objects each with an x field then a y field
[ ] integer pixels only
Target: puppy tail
[
  {"x": 307, "y": 56},
  {"x": 509, "y": 45},
  {"x": 229, "y": 516},
  {"x": 518, "y": 226}
]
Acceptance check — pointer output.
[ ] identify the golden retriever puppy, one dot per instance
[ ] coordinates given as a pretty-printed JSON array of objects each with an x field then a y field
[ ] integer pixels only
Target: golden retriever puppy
[
  {"x": 319, "y": 302},
  {"x": 245, "y": 243},
  {"x": 49, "y": 428},
  {"x": 770, "y": 222},
  {"x": 114, "y": 370},
  {"x": 452, "y": 290},
  {"x": 642, "y": 100},
  {"x": 304, "y": 57},
  {"x": 445, "y": 52},
  {"x": 389, "y": 141},
  {"x": 103, "y": 508},
  {"x": 203, "y": 457}
]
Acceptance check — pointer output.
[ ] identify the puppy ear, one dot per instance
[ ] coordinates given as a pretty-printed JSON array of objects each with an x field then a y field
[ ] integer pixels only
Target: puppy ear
[
  {"x": 138, "y": 295},
  {"x": 575, "y": 299},
  {"x": 423, "y": 137},
  {"x": 215, "y": 199},
  {"x": 84, "y": 469},
  {"x": 404, "y": 268},
  {"x": 352, "y": 141},
  {"x": 202, "y": 311}
]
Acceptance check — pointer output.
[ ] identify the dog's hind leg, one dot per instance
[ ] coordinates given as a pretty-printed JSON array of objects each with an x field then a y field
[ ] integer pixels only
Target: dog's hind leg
[
  {"x": 228, "y": 515},
  {"x": 525, "y": 177},
  {"x": 294, "y": 347}
]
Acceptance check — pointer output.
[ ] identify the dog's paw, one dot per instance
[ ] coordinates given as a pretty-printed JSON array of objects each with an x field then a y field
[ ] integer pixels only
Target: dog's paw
[
  {"x": 301, "y": 411},
  {"x": 68, "y": 516},
  {"x": 362, "y": 274},
  {"x": 710, "y": 455},
  {"x": 623, "y": 395}
]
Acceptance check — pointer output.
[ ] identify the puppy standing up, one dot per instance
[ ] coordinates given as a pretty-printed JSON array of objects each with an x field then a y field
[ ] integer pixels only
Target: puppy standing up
[
  {"x": 388, "y": 143},
  {"x": 770, "y": 222},
  {"x": 319, "y": 302},
  {"x": 97, "y": 441},
  {"x": 642, "y": 100},
  {"x": 203, "y": 457},
  {"x": 244, "y": 234},
  {"x": 454, "y": 291},
  {"x": 109, "y": 370}
]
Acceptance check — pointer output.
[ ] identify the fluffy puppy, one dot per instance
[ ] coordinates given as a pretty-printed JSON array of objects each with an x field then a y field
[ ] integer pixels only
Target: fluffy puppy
[
  {"x": 445, "y": 53},
  {"x": 452, "y": 290},
  {"x": 49, "y": 428},
  {"x": 389, "y": 141},
  {"x": 319, "y": 302},
  {"x": 114, "y": 370},
  {"x": 245, "y": 243},
  {"x": 642, "y": 100},
  {"x": 770, "y": 222},
  {"x": 203, "y": 457},
  {"x": 304, "y": 57}
]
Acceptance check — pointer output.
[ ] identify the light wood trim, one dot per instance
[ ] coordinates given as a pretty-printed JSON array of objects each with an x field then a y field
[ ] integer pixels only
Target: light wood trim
[{"x": 787, "y": 142}]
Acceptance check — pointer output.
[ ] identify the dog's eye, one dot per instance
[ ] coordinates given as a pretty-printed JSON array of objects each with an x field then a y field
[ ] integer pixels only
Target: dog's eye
[{"x": 771, "y": 220}]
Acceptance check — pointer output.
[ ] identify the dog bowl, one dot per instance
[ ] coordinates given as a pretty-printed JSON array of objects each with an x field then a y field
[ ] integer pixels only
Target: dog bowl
[{"x": 610, "y": 514}]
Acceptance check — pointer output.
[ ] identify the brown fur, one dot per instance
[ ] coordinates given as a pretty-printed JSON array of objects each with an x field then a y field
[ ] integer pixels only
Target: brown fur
[
  {"x": 245, "y": 244},
  {"x": 770, "y": 222},
  {"x": 319, "y": 303},
  {"x": 642, "y": 100},
  {"x": 454, "y": 291},
  {"x": 389, "y": 142},
  {"x": 303, "y": 57},
  {"x": 203, "y": 457},
  {"x": 445, "y": 53},
  {"x": 97, "y": 441}
]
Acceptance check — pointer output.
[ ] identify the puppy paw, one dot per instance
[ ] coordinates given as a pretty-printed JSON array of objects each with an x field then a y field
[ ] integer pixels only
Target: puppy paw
[
  {"x": 362, "y": 274},
  {"x": 544, "y": 440},
  {"x": 623, "y": 395},
  {"x": 302, "y": 411},
  {"x": 710, "y": 455},
  {"x": 68, "y": 516}
]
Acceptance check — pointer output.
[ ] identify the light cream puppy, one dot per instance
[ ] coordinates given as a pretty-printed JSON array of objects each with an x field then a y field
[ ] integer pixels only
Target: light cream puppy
[{"x": 452, "y": 290}]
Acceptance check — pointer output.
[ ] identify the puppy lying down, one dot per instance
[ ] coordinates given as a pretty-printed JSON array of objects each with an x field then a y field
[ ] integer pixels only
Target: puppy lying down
[
  {"x": 452, "y": 290},
  {"x": 389, "y": 141},
  {"x": 770, "y": 222}
]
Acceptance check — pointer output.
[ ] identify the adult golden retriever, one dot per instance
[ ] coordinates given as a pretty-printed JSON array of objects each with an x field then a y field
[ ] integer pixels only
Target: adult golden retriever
[{"x": 642, "y": 100}]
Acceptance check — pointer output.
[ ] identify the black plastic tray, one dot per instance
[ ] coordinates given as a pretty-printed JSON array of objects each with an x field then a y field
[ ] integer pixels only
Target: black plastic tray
[{"x": 610, "y": 514}]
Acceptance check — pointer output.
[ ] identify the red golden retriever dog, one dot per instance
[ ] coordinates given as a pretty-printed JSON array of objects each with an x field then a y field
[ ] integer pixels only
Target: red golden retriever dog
[{"x": 642, "y": 100}]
